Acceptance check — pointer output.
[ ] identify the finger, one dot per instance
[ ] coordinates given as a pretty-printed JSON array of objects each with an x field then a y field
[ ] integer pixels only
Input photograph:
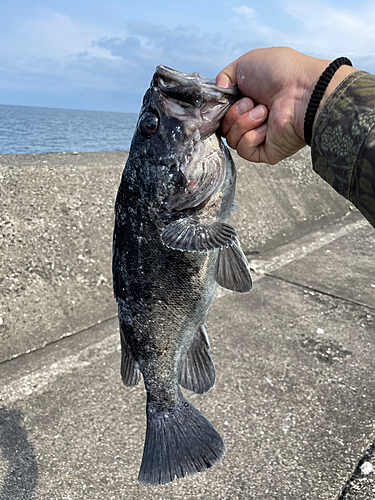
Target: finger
[
  {"x": 224, "y": 81},
  {"x": 242, "y": 106},
  {"x": 245, "y": 123},
  {"x": 251, "y": 142},
  {"x": 228, "y": 76}
]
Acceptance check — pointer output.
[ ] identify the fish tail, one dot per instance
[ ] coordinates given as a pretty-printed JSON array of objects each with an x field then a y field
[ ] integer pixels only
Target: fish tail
[{"x": 179, "y": 441}]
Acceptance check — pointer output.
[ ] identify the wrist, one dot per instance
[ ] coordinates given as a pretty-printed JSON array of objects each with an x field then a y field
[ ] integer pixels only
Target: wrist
[
  {"x": 338, "y": 77},
  {"x": 312, "y": 69}
]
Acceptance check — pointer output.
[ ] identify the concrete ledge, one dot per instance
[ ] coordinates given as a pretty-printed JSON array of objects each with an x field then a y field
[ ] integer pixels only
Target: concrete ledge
[
  {"x": 56, "y": 214},
  {"x": 57, "y": 218},
  {"x": 282, "y": 202}
]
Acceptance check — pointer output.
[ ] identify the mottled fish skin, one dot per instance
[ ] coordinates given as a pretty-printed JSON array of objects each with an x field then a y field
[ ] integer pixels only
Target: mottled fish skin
[{"x": 172, "y": 244}]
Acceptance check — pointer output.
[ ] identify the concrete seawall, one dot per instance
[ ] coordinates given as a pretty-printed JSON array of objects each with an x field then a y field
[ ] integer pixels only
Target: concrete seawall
[
  {"x": 295, "y": 359},
  {"x": 56, "y": 213}
]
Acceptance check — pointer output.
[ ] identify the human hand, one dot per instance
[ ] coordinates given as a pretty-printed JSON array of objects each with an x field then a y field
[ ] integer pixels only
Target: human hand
[{"x": 267, "y": 124}]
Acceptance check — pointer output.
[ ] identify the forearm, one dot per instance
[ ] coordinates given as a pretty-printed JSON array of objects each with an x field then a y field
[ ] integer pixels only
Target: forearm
[{"x": 343, "y": 142}]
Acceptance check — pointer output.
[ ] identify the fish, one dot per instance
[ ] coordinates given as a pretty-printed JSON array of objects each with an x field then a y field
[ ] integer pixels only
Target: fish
[{"x": 172, "y": 246}]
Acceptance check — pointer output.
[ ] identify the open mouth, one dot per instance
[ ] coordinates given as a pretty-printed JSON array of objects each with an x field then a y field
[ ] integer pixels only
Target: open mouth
[
  {"x": 200, "y": 105},
  {"x": 195, "y": 90}
]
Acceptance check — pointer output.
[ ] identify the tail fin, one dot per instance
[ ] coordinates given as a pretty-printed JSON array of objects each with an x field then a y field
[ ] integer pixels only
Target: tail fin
[{"x": 179, "y": 441}]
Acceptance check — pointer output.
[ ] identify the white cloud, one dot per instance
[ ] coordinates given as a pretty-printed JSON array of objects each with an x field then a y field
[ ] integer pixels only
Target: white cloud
[
  {"x": 180, "y": 46},
  {"x": 53, "y": 35},
  {"x": 247, "y": 20},
  {"x": 51, "y": 52},
  {"x": 246, "y": 11},
  {"x": 324, "y": 29},
  {"x": 334, "y": 29}
]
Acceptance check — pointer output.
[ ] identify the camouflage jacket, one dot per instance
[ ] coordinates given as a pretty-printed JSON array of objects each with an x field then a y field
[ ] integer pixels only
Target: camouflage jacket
[{"x": 343, "y": 142}]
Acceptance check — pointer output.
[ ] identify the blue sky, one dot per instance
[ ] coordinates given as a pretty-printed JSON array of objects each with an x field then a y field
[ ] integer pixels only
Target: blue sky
[{"x": 101, "y": 55}]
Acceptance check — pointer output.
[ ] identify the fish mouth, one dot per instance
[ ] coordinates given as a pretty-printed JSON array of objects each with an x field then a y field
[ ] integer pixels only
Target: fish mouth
[
  {"x": 200, "y": 104},
  {"x": 192, "y": 88},
  {"x": 194, "y": 93}
]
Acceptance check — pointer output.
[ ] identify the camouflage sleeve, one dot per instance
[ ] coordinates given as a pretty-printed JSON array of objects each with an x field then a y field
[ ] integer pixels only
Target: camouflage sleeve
[{"x": 343, "y": 142}]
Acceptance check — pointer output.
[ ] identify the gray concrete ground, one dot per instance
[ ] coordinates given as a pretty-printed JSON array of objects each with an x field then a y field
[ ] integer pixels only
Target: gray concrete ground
[
  {"x": 295, "y": 360},
  {"x": 56, "y": 223}
]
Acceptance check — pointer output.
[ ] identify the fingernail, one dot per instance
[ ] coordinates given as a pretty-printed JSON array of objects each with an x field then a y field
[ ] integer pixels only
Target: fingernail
[
  {"x": 257, "y": 113},
  {"x": 223, "y": 81},
  {"x": 262, "y": 129},
  {"x": 243, "y": 106}
]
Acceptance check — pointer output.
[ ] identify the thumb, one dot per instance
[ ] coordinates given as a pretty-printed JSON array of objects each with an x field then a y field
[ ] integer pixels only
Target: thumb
[{"x": 228, "y": 76}]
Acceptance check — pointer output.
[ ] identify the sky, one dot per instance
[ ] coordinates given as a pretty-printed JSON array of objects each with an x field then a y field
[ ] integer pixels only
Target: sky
[{"x": 91, "y": 54}]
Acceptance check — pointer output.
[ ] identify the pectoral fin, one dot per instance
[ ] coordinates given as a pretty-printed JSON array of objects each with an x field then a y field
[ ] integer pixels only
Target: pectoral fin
[
  {"x": 191, "y": 236},
  {"x": 232, "y": 271}
]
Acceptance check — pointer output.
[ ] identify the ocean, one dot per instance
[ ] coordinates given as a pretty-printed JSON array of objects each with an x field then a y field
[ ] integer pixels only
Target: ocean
[{"x": 27, "y": 129}]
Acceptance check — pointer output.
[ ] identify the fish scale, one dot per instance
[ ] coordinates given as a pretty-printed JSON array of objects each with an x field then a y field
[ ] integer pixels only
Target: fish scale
[{"x": 172, "y": 246}]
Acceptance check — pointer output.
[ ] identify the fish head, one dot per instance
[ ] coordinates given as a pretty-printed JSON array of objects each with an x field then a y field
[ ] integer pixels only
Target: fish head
[{"x": 176, "y": 145}]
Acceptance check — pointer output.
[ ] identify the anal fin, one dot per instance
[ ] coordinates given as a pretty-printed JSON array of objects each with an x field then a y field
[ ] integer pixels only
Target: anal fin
[
  {"x": 130, "y": 372},
  {"x": 197, "y": 370},
  {"x": 232, "y": 271}
]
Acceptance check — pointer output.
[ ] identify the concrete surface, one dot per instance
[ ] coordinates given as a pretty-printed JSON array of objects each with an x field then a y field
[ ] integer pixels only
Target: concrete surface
[
  {"x": 294, "y": 398},
  {"x": 282, "y": 202},
  {"x": 56, "y": 213},
  {"x": 56, "y": 223}
]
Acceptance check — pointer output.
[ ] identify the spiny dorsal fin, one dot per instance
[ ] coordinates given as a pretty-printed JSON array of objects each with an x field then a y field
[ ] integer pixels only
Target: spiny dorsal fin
[
  {"x": 197, "y": 370},
  {"x": 232, "y": 271},
  {"x": 189, "y": 235}
]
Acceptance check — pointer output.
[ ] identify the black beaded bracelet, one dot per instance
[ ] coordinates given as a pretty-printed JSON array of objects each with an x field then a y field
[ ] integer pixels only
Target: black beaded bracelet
[{"x": 317, "y": 95}]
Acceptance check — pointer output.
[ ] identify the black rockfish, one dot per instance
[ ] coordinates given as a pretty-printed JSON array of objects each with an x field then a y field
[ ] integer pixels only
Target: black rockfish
[{"x": 172, "y": 246}]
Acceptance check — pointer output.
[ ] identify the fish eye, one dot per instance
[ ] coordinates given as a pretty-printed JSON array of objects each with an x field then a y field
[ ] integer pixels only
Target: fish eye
[{"x": 148, "y": 124}]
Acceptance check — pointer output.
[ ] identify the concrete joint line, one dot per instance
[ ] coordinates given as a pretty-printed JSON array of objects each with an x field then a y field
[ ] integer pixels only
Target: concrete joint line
[
  {"x": 303, "y": 246},
  {"x": 320, "y": 291},
  {"x": 352, "y": 485},
  {"x": 37, "y": 382},
  {"x": 66, "y": 335}
]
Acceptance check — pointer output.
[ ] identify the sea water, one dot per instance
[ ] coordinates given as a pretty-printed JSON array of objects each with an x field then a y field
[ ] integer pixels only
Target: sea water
[{"x": 27, "y": 129}]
